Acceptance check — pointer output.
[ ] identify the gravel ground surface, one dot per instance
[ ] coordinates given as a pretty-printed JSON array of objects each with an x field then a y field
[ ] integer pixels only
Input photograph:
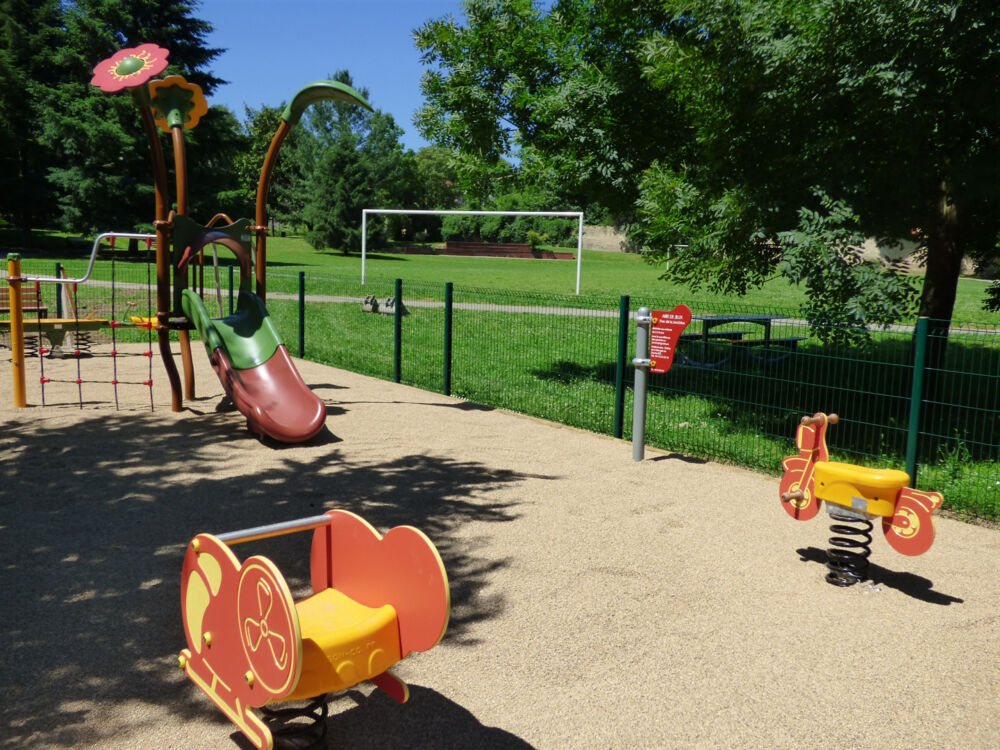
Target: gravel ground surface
[{"x": 597, "y": 602}]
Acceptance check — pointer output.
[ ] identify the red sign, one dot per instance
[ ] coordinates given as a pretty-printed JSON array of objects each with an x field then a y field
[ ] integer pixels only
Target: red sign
[{"x": 666, "y": 328}]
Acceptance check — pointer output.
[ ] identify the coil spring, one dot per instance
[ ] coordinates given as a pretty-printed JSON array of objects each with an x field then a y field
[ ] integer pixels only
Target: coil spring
[
  {"x": 300, "y": 735},
  {"x": 31, "y": 344},
  {"x": 82, "y": 342},
  {"x": 847, "y": 559}
]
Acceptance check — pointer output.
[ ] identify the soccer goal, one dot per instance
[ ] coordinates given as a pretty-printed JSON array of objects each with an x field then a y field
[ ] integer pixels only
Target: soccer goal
[{"x": 416, "y": 212}]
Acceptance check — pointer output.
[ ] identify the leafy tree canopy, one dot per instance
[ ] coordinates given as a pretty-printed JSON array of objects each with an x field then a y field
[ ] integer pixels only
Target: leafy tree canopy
[
  {"x": 562, "y": 88},
  {"x": 767, "y": 136},
  {"x": 875, "y": 115},
  {"x": 99, "y": 159},
  {"x": 29, "y": 32}
]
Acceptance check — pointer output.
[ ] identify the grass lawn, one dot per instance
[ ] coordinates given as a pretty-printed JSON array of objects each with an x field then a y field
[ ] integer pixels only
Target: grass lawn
[
  {"x": 602, "y": 274},
  {"x": 561, "y": 367}
]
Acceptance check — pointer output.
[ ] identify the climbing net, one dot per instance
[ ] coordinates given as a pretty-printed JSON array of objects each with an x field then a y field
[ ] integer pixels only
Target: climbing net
[{"x": 90, "y": 309}]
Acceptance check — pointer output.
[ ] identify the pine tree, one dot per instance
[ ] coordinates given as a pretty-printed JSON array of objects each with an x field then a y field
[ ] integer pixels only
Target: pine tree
[
  {"x": 355, "y": 161},
  {"x": 30, "y": 33},
  {"x": 102, "y": 171}
]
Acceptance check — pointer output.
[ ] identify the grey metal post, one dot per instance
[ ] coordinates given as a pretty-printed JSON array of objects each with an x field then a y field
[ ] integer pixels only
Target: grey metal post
[{"x": 642, "y": 322}]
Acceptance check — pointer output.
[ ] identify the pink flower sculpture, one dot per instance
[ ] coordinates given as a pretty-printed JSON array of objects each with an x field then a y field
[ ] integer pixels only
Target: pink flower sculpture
[{"x": 129, "y": 68}]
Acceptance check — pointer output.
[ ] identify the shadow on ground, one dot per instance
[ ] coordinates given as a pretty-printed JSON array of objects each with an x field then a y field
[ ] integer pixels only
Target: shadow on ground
[
  {"x": 428, "y": 721},
  {"x": 908, "y": 583},
  {"x": 94, "y": 525}
]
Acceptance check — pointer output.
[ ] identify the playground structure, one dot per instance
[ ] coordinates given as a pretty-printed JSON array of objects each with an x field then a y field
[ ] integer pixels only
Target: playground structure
[
  {"x": 854, "y": 495},
  {"x": 245, "y": 350},
  {"x": 375, "y": 600},
  {"x": 76, "y": 318}
]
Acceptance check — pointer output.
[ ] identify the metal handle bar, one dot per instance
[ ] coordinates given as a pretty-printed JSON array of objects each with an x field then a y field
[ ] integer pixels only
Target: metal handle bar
[
  {"x": 93, "y": 255},
  {"x": 274, "y": 529}
]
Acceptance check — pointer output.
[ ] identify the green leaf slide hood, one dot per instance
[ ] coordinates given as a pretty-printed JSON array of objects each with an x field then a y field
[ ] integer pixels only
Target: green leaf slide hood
[{"x": 318, "y": 91}]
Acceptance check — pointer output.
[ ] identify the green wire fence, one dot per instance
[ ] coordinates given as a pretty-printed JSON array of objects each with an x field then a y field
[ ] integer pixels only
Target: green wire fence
[
  {"x": 907, "y": 397},
  {"x": 568, "y": 359}
]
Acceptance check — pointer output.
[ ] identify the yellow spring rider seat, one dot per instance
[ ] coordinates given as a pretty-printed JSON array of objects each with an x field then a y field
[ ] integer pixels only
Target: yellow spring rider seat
[
  {"x": 854, "y": 495},
  {"x": 376, "y": 599}
]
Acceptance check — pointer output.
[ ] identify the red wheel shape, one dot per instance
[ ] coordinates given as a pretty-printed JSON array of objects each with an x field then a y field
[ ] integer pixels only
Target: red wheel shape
[
  {"x": 268, "y": 627},
  {"x": 911, "y": 530}
]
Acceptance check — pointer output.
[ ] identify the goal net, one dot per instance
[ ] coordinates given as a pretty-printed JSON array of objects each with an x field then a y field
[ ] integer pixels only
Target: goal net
[{"x": 578, "y": 215}]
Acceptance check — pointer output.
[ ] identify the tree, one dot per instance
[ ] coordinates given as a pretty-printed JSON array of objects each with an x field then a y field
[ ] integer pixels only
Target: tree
[
  {"x": 356, "y": 161},
  {"x": 563, "y": 89},
  {"x": 433, "y": 186},
  {"x": 29, "y": 34},
  {"x": 756, "y": 132},
  {"x": 102, "y": 172},
  {"x": 436, "y": 178},
  {"x": 334, "y": 207},
  {"x": 258, "y": 130},
  {"x": 213, "y": 152},
  {"x": 867, "y": 117}
]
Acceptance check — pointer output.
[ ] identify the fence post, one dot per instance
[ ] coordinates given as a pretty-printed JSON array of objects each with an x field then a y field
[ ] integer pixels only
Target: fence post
[
  {"x": 302, "y": 314},
  {"x": 916, "y": 397},
  {"x": 59, "y": 310},
  {"x": 448, "y": 288},
  {"x": 397, "y": 358},
  {"x": 230, "y": 290},
  {"x": 641, "y": 362},
  {"x": 623, "y": 309}
]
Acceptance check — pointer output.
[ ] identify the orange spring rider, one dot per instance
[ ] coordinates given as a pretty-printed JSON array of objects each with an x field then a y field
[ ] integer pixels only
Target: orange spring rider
[{"x": 375, "y": 600}]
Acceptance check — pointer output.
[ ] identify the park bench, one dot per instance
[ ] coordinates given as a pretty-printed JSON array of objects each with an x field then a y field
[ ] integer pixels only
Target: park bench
[
  {"x": 31, "y": 300},
  {"x": 501, "y": 250}
]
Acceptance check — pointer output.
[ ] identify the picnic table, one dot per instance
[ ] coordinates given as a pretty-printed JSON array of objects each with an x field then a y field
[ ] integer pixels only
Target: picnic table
[{"x": 735, "y": 341}]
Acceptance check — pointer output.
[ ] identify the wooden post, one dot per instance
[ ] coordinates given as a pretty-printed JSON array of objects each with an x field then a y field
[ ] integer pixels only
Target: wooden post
[{"x": 16, "y": 329}]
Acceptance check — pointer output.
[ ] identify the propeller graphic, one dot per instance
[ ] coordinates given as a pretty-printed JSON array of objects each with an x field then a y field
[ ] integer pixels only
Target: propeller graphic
[{"x": 257, "y": 631}]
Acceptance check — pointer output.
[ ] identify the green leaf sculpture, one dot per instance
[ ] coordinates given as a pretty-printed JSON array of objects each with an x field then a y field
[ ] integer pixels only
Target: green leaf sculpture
[{"x": 318, "y": 91}]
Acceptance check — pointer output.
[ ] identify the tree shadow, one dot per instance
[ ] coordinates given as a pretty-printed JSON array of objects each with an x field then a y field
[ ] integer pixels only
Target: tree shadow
[
  {"x": 910, "y": 584},
  {"x": 96, "y": 520},
  {"x": 564, "y": 371}
]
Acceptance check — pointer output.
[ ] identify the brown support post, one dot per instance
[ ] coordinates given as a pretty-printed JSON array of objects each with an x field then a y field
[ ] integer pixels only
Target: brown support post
[
  {"x": 180, "y": 175},
  {"x": 263, "y": 187},
  {"x": 162, "y": 225},
  {"x": 16, "y": 330}
]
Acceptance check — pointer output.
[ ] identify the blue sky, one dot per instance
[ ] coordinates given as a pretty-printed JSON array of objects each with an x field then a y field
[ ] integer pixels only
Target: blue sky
[{"x": 275, "y": 47}]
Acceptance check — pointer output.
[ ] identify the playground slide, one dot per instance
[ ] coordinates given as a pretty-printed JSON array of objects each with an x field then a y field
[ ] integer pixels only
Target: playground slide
[{"x": 256, "y": 370}]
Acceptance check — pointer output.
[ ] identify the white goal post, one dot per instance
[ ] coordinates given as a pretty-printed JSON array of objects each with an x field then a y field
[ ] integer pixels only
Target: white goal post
[{"x": 567, "y": 214}]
